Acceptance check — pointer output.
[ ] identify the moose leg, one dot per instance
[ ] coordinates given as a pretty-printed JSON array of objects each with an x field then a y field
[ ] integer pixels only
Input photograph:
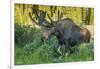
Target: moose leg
[
  {"x": 59, "y": 49},
  {"x": 67, "y": 48}
]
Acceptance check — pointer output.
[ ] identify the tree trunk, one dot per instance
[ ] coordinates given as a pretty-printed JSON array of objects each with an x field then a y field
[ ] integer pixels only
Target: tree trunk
[{"x": 88, "y": 15}]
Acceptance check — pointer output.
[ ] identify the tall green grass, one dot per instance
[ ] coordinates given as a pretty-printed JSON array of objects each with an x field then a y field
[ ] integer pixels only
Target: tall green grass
[{"x": 37, "y": 52}]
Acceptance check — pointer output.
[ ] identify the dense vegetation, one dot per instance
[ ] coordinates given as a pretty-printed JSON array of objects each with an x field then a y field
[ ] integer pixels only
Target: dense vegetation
[{"x": 28, "y": 46}]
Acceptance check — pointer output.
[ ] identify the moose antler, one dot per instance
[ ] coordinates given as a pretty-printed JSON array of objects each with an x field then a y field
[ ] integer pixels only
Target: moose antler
[
  {"x": 40, "y": 18},
  {"x": 60, "y": 15}
]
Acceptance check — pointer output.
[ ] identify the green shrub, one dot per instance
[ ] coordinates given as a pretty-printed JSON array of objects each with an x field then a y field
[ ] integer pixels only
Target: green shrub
[
  {"x": 23, "y": 34},
  {"x": 37, "y": 52}
]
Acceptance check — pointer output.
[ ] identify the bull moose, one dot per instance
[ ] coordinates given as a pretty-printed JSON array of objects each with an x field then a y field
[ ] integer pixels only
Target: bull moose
[{"x": 67, "y": 32}]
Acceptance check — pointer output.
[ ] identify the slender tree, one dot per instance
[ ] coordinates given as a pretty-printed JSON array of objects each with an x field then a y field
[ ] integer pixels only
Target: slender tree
[{"x": 88, "y": 15}]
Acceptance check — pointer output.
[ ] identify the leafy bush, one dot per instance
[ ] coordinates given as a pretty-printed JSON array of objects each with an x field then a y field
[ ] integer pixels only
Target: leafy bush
[
  {"x": 23, "y": 34},
  {"x": 37, "y": 52}
]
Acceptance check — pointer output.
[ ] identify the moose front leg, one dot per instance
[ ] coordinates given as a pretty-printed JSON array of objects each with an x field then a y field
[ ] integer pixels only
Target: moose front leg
[
  {"x": 59, "y": 49},
  {"x": 68, "y": 49}
]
